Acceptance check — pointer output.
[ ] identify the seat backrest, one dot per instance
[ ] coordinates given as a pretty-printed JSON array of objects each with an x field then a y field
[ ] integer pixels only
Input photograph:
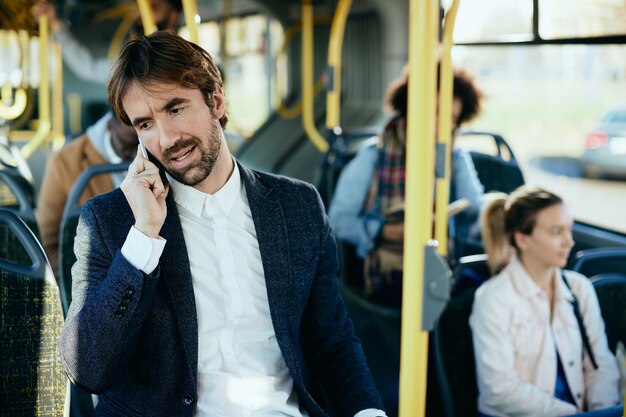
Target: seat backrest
[
  {"x": 499, "y": 171},
  {"x": 591, "y": 262},
  {"x": 611, "y": 291},
  {"x": 69, "y": 221},
  {"x": 469, "y": 273},
  {"x": 16, "y": 195},
  {"x": 342, "y": 149},
  {"x": 454, "y": 357},
  {"x": 497, "y": 174},
  {"x": 32, "y": 382}
]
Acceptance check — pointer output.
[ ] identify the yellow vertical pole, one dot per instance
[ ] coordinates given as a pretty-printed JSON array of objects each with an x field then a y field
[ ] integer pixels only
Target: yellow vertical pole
[
  {"x": 190, "y": 8},
  {"x": 147, "y": 17},
  {"x": 58, "y": 137},
  {"x": 444, "y": 129},
  {"x": 307, "y": 78},
  {"x": 43, "y": 129},
  {"x": 335, "y": 47},
  {"x": 75, "y": 115},
  {"x": 423, "y": 32}
]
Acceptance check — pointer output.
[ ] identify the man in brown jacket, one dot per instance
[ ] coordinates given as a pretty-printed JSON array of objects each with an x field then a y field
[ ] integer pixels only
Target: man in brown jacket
[{"x": 107, "y": 140}]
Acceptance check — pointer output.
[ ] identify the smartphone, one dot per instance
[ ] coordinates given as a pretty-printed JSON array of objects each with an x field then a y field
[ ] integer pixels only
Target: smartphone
[
  {"x": 152, "y": 159},
  {"x": 144, "y": 151}
]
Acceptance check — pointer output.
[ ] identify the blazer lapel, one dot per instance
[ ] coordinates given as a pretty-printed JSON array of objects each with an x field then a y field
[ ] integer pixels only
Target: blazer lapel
[
  {"x": 176, "y": 273},
  {"x": 271, "y": 230}
]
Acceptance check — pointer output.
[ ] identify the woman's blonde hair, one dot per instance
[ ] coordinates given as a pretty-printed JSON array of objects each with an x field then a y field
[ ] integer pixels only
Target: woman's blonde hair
[{"x": 504, "y": 215}]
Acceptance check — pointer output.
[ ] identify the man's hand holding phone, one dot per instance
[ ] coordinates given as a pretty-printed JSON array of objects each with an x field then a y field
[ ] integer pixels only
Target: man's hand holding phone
[{"x": 146, "y": 193}]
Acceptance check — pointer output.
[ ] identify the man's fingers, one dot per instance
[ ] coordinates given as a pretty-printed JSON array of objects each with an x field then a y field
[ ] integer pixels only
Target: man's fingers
[{"x": 139, "y": 166}]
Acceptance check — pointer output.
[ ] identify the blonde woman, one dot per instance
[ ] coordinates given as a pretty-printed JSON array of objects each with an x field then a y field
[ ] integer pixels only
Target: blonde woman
[{"x": 539, "y": 340}]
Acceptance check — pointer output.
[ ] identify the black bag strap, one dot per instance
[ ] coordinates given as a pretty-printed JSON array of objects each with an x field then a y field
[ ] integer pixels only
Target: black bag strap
[{"x": 581, "y": 325}]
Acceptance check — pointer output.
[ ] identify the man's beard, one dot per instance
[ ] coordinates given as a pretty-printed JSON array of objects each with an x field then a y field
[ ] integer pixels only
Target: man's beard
[{"x": 199, "y": 171}]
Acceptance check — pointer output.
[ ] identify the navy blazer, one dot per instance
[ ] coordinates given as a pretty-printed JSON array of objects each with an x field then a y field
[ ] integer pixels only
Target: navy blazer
[{"x": 133, "y": 337}]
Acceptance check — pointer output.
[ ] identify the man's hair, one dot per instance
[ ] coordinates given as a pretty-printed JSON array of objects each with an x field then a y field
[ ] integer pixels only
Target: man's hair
[
  {"x": 163, "y": 57},
  {"x": 464, "y": 88}
]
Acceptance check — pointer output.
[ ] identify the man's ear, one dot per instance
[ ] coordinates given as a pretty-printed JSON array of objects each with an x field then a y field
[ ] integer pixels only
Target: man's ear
[{"x": 219, "y": 103}]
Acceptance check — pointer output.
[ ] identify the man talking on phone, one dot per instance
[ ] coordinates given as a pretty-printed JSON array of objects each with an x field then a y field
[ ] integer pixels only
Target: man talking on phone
[{"x": 210, "y": 290}]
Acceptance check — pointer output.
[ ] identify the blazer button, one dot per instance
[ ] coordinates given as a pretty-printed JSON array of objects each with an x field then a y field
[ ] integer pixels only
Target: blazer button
[
  {"x": 129, "y": 291},
  {"x": 187, "y": 400}
]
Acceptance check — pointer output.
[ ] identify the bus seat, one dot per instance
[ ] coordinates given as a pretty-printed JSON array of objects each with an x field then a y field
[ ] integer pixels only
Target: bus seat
[
  {"x": 351, "y": 266},
  {"x": 591, "y": 262},
  {"x": 69, "y": 222},
  {"x": 611, "y": 291},
  {"x": 497, "y": 174},
  {"x": 378, "y": 328},
  {"x": 342, "y": 149},
  {"x": 17, "y": 195},
  {"x": 470, "y": 272},
  {"x": 32, "y": 382},
  {"x": 454, "y": 357}
]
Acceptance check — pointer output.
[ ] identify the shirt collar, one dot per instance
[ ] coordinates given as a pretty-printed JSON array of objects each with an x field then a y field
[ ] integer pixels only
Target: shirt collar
[
  {"x": 195, "y": 200},
  {"x": 527, "y": 286}
]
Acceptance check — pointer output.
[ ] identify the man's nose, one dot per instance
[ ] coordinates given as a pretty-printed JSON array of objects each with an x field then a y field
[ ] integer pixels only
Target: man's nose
[{"x": 168, "y": 135}]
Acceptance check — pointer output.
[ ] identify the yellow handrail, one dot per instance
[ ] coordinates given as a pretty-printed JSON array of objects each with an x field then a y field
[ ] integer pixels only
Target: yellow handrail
[
  {"x": 147, "y": 16},
  {"x": 17, "y": 100},
  {"x": 190, "y": 8},
  {"x": 307, "y": 78},
  {"x": 335, "y": 47},
  {"x": 423, "y": 32},
  {"x": 442, "y": 187},
  {"x": 75, "y": 115},
  {"x": 120, "y": 33},
  {"x": 294, "y": 111},
  {"x": 58, "y": 137},
  {"x": 43, "y": 128}
]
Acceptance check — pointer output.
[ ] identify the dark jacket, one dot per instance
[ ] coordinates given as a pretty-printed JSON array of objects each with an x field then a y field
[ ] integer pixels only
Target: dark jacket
[{"x": 133, "y": 338}]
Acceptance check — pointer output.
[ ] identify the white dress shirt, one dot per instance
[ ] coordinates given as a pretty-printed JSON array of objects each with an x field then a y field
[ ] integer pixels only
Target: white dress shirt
[{"x": 241, "y": 370}]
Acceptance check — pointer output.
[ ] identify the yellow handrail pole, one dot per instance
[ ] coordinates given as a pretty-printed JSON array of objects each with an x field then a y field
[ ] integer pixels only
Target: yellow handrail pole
[
  {"x": 307, "y": 78},
  {"x": 442, "y": 188},
  {"x": 74, "y": 107},
  {"x": 58, "y": 138},
  {"x": 18, "y": 101},
  {"x": 43, "y": 128},
  {"x": 190, "y": 8},
  {"x": 147, "y": 16},
  {"x": 423, "y": 31},
  {"x": 335, "y": 47},
  {"x": 294, "y": 111},
  {"x": 120, "y": 33}
]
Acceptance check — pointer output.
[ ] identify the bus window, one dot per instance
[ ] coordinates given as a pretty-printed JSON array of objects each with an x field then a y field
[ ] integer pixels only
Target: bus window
[
  {"x": 545, "y": 100},
  {"x": 248, "y": 68},
  {"x": 579, "y": 18}
]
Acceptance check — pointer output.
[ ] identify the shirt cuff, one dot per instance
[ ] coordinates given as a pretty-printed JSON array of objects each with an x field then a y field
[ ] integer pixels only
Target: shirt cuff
[
  {"x": 371, "y": 412},
  {"x": 141, "y": 251}
]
